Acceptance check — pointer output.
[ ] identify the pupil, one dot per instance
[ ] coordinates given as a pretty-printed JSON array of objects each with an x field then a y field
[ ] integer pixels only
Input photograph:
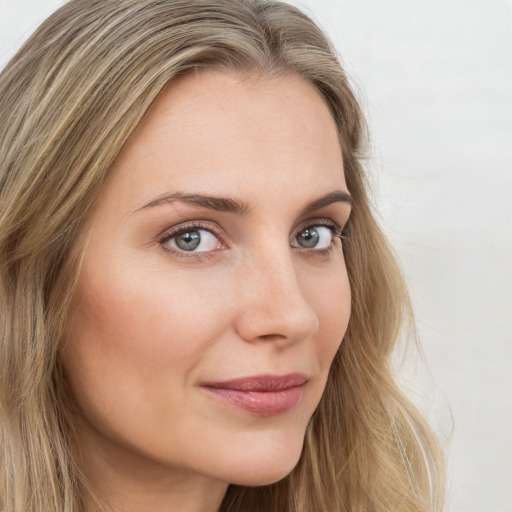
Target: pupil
[
  {"x": 188, "y": 241},
  {"x": 309, "y": 238}
]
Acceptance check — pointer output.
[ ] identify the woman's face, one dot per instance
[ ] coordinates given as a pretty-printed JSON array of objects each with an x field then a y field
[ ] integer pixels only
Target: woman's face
[{"x": 213, "y": 293}]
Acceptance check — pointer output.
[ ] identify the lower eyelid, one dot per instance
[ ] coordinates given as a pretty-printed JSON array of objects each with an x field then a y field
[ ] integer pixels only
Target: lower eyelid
[{"x": 319, "y": 254}]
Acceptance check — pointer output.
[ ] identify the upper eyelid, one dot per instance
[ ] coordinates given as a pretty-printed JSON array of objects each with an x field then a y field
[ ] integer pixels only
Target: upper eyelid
[
  {"x": 218, "y": 231},
  {"x": 321, "y": 221},
  {"x": 204, "y": 225}
]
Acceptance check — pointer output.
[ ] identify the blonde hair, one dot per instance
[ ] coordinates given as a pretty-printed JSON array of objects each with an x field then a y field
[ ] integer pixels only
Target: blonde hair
[{"x": 69, "y": 100}]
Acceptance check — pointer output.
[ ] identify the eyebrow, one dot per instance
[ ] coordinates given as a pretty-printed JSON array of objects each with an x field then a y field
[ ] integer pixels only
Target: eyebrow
[
  {"x": 220, "y": 204},
  {"x": 238, "y": 207},
  {"x": 336, "y": 196}
]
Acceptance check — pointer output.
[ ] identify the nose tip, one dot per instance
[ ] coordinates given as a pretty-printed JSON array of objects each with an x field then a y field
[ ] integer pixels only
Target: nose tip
[
  {"x": 274, "y": 307},
  {"x": 276, "y": 324}
]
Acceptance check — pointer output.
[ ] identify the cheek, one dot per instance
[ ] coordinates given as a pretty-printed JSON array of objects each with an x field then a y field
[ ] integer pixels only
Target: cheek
[
  {"x": 132, "y": 349},
  {"x": 134, "y": 328}
]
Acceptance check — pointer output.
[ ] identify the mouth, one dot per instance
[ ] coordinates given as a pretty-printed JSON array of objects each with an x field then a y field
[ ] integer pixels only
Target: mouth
[{"x": 260, "y": 395}]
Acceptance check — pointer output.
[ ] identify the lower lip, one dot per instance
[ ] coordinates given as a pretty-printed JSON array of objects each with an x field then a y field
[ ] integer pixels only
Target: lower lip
[{"x": 261, "y": 403}]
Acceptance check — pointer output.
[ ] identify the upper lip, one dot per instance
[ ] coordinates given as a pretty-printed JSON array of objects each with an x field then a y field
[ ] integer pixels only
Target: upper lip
[{"x": 261, "y": 382}]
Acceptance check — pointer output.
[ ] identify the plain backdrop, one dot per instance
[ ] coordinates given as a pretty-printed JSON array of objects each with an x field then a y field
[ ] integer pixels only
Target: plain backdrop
[{"x": 435, "y": 79}]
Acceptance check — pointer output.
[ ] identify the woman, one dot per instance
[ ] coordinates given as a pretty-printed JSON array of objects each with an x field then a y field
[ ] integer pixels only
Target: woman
[{"x": 198, "y": 308}]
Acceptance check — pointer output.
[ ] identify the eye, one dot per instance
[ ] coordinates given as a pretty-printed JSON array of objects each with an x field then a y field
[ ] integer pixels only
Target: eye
[
  {"x": 192, "y": 239},
  {"x": 315, "y": 237}
]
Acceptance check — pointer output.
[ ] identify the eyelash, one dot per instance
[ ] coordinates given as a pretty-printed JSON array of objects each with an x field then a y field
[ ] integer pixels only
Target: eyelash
[
  {"x": 337, "y": 231},
  {"x": 176, "y": 231}
]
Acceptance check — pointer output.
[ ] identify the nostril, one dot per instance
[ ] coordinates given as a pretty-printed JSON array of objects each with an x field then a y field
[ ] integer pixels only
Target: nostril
[
  {"x": 268, "y": 336},
  {"x": 272, "y": 337}
]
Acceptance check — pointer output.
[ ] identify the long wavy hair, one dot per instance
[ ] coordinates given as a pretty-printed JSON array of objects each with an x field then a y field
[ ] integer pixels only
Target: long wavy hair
[{"x": 69, "y": 100}]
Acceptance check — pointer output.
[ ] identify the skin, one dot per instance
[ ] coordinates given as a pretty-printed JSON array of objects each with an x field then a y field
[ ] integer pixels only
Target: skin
[{"x": 151, "y": 323}]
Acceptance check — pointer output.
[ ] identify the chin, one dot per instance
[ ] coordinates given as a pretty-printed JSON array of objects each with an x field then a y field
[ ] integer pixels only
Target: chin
[
  {"x": 260, "y": 476},
  {"x": 265, "y": 466}
]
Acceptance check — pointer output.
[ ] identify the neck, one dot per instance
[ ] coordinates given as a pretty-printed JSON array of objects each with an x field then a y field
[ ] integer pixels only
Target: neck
[
  {"x": 120, "y": 481},
  {"x": 118, "y": 494}
]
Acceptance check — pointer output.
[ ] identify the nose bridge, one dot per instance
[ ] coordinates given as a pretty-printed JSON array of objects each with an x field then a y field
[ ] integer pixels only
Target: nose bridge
[{"x": 275, "y": 306}]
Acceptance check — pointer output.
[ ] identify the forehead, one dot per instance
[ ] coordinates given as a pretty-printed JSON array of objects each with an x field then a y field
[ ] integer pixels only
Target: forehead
[{"x": 223, "y": 133}]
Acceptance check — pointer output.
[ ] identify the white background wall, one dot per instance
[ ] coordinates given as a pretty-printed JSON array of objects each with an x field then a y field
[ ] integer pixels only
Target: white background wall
[{"x": 436, "y": 79}]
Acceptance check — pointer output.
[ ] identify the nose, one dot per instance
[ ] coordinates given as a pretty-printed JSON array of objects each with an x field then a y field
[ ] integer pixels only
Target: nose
[{"x": 272, "y": 303}]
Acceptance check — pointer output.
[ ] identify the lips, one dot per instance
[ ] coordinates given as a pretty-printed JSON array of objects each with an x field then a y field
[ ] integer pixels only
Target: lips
[{"x": 261, "y": 395}]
